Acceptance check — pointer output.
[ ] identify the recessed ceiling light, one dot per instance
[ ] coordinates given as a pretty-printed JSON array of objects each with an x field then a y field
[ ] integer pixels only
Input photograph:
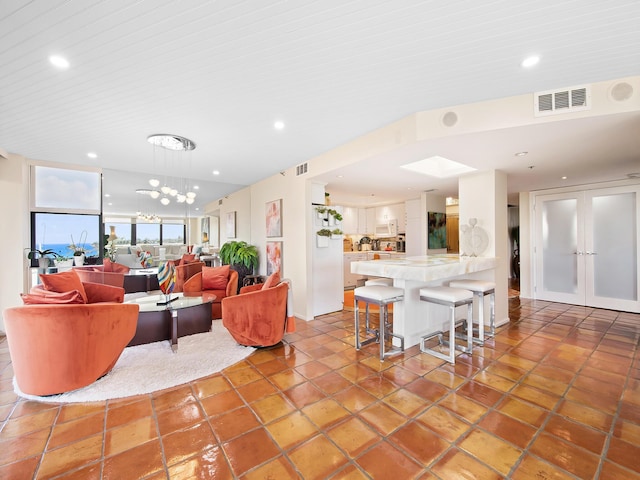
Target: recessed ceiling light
[
  {"x": 216, "y": 172},
  {"x": 109, "y": 203},
  {"x": 279, "y": 125},
  {"x": 439, "y": 167},
  {"x": 196, "y": 187},
  {"x": 340, "y": 176},
  {"x": 197, "y": 208},
  {"x": 564, "y": 178},
  {"x": 58, "y": 61},
  {"x": 530, "y": 61},
  {"x": 92, "y": 155},
  {"x": 521, "y": 154},
  {"x": 107, "y": 195}
]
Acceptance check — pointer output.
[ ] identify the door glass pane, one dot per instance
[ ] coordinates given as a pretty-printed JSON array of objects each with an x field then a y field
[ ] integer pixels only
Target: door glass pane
[
  {"x": 615, "y": 246},
  {"x": 559, "y": 239}
]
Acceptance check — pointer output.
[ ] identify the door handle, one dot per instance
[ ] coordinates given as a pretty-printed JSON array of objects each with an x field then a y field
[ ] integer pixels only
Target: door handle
[
  {"x": 590, "y": 253},
  {"x": 578, "y": 253}
]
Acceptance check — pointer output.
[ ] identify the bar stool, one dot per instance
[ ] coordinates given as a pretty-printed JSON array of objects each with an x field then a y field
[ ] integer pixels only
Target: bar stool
[
  {"x": 382, "y": 296},
  {"x": 480, "y": 289},
  {"x": 388, "y": 282},
  {"x": 452, "y": 298}
]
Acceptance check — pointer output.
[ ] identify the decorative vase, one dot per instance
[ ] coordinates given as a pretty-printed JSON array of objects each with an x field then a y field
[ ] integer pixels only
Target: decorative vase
[
  {"x": 78, "y": 260},
  {"x": 43, "y": 263}
]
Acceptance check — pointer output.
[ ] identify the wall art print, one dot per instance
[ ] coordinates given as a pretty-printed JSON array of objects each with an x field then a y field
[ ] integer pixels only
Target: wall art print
[
  {"x": 274, "y": 257},
  {"x": 437, "y": 230},
  {"x": 231, "y": 224},
  {"x": 205, "y": 228},
  {"x": 273, "y": 216}
]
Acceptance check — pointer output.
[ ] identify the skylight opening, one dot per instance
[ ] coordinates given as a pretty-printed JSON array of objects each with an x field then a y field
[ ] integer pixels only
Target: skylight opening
[{"x": 438, "y": 167}]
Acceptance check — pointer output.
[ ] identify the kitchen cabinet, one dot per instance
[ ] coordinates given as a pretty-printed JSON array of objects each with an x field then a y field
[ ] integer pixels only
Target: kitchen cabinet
[
  {"x": 366, "y": 220},
  {"x": 391, "y": 212},
  {"x": 350, "y": 220},
  {"x": 351, "y": 279}
]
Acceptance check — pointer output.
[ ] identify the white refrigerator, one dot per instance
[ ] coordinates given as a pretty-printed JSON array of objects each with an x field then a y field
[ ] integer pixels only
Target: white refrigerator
[{"x": 327, "y": 272}]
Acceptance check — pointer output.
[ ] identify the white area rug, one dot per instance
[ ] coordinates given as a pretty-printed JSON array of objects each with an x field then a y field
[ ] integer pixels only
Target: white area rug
[{"x": 147, "y": 368}]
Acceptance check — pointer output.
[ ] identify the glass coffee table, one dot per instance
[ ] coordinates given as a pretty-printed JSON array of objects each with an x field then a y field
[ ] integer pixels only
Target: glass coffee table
[{"x": 161, "y": 320}]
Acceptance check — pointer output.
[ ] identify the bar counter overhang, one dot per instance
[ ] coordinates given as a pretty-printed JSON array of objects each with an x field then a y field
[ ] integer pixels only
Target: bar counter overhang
[{"x": 412, "y": 317}]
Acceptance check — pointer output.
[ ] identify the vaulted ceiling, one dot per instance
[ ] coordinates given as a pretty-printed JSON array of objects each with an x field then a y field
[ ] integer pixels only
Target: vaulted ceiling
[{"x": 221, "y": 73}]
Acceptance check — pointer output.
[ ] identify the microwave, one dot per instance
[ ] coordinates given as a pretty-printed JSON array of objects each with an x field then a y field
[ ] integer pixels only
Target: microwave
[{"x": 386, "y": 230}]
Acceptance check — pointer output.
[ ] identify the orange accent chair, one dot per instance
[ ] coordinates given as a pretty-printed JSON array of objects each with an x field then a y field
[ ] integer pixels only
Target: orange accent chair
[
  {"x": 226, "y": 287},
  {"x": 184, "y": 271},
  {"x": 258, "y": 316},
  {"x": 57, "y": 347},
  {"x": 109, "y": 273}
]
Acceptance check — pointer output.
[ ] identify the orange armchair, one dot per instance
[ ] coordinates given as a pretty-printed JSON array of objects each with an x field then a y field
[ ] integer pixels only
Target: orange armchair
[
  {"x": 194, "y": 285},
  {"x": 258, "y": 317},
  {"x": 184, "y": 271},
  {"x": 58, "y": 348}
]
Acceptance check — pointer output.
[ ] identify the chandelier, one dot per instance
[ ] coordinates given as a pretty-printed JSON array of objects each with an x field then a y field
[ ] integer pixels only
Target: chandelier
[{"x": 174, "y": 143}]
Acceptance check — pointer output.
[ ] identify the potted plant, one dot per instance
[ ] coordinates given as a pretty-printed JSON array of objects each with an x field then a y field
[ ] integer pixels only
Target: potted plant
[
  {"x": 336, "y": 216},
  {"x": 241, "y": 256},
  {"x": 78, "y": 249},
  {"x": 336, "y": 233},
  {"x": 320, "y": 212},
  {"x": 322, "y": 237},
  {"x": 44, "y": 257}
]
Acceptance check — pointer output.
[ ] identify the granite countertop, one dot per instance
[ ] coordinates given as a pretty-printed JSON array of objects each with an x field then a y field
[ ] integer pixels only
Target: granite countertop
[{"x": 424, "y": 268}]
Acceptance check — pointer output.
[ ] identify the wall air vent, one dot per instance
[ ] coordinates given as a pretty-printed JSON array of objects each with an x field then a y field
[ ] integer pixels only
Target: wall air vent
[
  {"x": 301, "y": 169},
  {"x": 566, "y": 100},
  {"x": 219, "y": 202}
]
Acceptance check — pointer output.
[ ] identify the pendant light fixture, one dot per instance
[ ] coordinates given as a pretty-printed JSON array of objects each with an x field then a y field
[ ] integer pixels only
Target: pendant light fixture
[{"x": 174, "y": 143}]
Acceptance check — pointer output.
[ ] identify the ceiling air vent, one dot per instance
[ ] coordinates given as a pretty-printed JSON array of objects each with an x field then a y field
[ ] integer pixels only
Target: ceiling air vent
[
  {"x": 301, "y": 169},
  {"x": 566, "y": 100}
]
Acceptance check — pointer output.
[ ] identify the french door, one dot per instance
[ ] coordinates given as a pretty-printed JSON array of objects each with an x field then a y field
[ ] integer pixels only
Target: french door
[{"x": 586, "y": 248}]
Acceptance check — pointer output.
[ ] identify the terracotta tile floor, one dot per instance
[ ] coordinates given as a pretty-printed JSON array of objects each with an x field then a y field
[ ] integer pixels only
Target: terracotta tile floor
[{"x": 556, "y": 395}]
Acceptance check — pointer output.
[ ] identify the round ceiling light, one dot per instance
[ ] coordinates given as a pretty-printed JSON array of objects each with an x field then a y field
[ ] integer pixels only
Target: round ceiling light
[
  {"x": 154, "y": 182},
  {"x": 165, "y": 201},
  {"x": 171, "y": 142},
  {"x": 530, "y": 61}
]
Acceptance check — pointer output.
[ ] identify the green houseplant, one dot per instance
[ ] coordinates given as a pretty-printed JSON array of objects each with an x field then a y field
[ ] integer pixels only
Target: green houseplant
[
  {"x": 43, "y": 256},
  {"x": 242, "y": 257}
]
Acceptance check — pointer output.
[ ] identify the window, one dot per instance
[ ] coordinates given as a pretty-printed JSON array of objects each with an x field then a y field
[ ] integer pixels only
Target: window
[
  {"x": 64, "y": 190},
  {"x": 122, "y": 231},
  {"x": 148, "y": 233},
  {"x": 57, "y": 231},
  {"x": 172, "y": 234}
]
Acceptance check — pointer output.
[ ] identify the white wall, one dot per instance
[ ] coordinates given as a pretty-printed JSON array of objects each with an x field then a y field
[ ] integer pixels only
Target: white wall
[
  {"x": 483, "y": 196},
  {"x": 239, "y": 202},
  {"x": 14, "y": 221}
]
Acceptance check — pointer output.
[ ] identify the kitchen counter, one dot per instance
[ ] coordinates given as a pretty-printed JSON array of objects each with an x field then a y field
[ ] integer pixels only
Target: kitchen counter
[
  {"x": 412, "y": 317},
  {"x": 425, "y": 268}
]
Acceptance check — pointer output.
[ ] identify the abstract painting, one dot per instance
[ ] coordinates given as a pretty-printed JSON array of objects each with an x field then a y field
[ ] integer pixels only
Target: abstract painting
[
  {"x": 274, "y": 218},
  {"x": 274, "y": 257},
  {"x": 437, "y": 230},
  {"x": 231, "y": 224}
]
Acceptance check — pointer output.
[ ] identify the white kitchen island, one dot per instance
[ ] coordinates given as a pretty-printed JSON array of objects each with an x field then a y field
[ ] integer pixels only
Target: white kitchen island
[{"x": 413, "y": 318}]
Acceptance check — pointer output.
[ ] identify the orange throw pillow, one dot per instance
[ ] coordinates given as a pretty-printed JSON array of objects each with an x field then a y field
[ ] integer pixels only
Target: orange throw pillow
[
  {"x": 107, "y": 265},
  {"x": 272, "y": 280},
  {"x": 53, "y": 298},
  {"x": 63, "y": 282},
  {"x": 215, "y": 278}
]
